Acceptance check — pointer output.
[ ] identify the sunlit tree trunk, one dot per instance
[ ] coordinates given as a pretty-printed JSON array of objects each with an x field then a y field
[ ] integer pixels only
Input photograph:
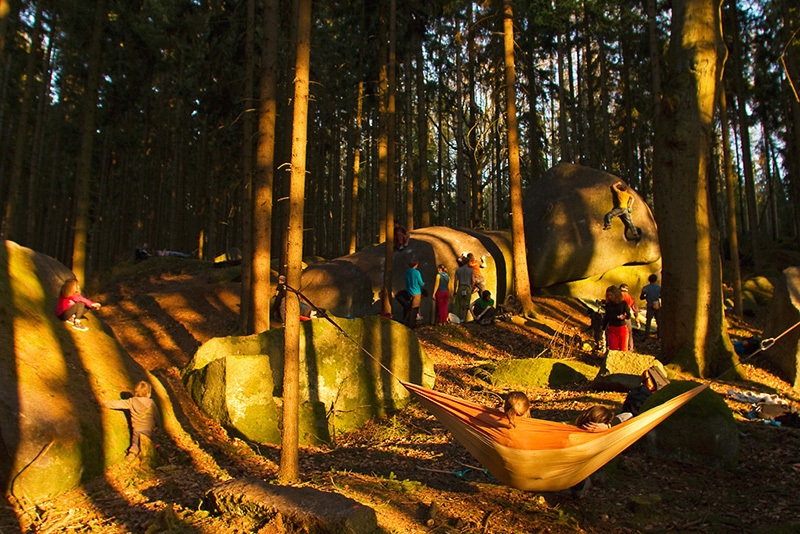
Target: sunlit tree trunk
[
  {"x": 84, "y": 175},
  {"x": 289, "y": 469},
  {"x": 693, "y": 333},
  {"x": 264, "y": 177},
  {"x": 730, "y": 202},
  {"x": 522, "y": 283},
  {"x": 355, "y": 171},
  {"x": 246, "y": 319},
  {"x": 386, "y": 193},
  {"x": 409, "y": 143}
]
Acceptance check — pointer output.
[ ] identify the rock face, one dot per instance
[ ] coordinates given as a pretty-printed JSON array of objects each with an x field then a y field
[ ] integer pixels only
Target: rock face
[
  {"x": 568, "y": 250},
  {"x": 784, "y": 313},
  {"x": 702, "y": 432},
  {"x": 238, "y": 380},
  {"x": 349, "y": 286},
  {"x": 54, "y": 432}
]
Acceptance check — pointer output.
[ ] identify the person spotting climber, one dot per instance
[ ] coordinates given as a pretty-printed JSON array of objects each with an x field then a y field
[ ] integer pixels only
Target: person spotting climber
[{"x": 622, "y": 208}]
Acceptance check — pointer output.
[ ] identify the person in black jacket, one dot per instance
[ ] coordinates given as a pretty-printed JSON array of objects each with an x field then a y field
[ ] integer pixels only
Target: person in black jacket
[{"x": 653, "y": 379}]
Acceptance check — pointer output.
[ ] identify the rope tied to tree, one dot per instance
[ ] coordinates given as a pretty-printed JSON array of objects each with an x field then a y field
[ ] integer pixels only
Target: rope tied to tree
[{"x": 767, "y": 344}]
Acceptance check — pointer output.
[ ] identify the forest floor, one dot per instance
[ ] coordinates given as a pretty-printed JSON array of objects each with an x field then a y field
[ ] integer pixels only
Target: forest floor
[{"x": 407, "y": 467}]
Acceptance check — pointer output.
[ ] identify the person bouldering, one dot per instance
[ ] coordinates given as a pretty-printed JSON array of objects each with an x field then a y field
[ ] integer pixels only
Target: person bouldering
[{"x": 622, "y": 208}]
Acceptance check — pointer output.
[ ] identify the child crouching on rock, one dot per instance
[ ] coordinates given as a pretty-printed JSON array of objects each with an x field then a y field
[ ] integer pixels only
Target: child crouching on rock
[
  {"x": 72, "y": 305},
  {"x": 144, "y": 415}
]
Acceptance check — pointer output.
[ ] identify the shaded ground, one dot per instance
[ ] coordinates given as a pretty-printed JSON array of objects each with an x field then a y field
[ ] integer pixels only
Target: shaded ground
[{"x": 407, "y": 467}]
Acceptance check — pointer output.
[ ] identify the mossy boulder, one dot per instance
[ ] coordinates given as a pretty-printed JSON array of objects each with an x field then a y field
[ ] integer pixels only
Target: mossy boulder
[
  {"x": 760, "y": 289},
  {"x": 622, "y": 371},
  {"x": 541, "y": 372},
  {"x": 238, "y": 381},
  {"x": 701, "y": 432},
  {"x": 53, "y": 432}
]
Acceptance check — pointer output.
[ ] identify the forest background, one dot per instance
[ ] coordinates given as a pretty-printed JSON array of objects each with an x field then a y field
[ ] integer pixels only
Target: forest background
[{"x": 142, "y": 122}]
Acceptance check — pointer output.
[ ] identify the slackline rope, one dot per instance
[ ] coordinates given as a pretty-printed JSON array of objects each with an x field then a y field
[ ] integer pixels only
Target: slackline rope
[
  {"x": 322, "y": 313},
  {"x": 766, "y": 344}
]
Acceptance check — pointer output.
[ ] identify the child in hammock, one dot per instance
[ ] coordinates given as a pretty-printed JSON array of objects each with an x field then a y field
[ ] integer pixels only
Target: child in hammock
[
  {"x": 594, "y": 419},
  {"x": 516, "y": 405}
]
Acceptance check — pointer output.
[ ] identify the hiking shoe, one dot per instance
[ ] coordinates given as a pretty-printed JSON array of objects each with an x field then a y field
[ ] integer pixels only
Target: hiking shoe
[
  {"x": 130, "y": 457},
  {"x": 606, "y": 227},
  {"x": 77, "y": 325}
]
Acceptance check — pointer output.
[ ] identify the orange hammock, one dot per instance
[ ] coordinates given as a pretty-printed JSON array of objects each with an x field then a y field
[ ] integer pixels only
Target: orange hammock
[{"x": 538, "y": 455}]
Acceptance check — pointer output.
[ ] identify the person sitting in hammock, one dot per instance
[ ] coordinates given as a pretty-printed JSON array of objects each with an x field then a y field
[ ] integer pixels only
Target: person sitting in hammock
[{"x": 516, "y": 405}]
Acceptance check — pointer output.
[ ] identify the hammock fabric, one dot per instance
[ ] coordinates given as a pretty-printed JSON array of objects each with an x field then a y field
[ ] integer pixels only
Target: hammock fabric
[{"x": 538, "y": 455}]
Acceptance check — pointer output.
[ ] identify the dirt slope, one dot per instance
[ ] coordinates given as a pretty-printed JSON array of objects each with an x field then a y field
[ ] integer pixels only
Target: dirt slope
[{"x": 407, "y": 467}]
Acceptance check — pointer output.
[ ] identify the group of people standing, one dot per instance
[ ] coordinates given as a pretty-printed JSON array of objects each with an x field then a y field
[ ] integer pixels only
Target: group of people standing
[
  {"x": 621, "y": 311},
  {"x": 460, "y": 288}
]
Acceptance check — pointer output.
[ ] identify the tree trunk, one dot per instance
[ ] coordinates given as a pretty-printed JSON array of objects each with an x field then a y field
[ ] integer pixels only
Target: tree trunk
[
  {"x": 409, "y": 142},
  {"x": 693, "y": 332},
  {"x": 730, "y": 202},
  {"x": 84, "y": 176},
  {"x": 744, "y": 133},
  {"x": 246, "y": 310},
  {"x": 385, "y": 192},
  {"x": 289, "y": 468},
  {"x": 11, "y": 228},
  {"x": 261, "y": 258},
  {"x": 522, "y": 284},
  {"x": 422, "y": 132},
  {"x": 355, "y": 171}
]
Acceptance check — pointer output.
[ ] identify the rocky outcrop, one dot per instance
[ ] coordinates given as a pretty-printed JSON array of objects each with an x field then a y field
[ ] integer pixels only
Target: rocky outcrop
[
  {"x": 345, "y": 377},
  {"x": 52, "y": 379},
  {"x": 568, "y": 250},
  {"x": 349, "y": 286}
]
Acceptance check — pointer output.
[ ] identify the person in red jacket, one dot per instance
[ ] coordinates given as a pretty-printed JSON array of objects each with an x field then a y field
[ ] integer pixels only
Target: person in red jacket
[{"x": 71, "y": 305}]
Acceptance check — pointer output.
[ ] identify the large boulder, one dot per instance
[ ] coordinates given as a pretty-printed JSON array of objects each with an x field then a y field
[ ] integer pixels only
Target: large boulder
[
  {"x": 784, "y": 315},
  {"x": 564, "y": 231},
  {"x": 349, "y": 286},
  {"x": 54, "y": 434},
  {"x": 702, "y": 432},
  {"x": 344, "y": 377}
]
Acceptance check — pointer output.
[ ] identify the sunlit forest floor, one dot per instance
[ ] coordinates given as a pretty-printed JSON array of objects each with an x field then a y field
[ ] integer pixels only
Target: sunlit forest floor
[{"x": 407, "y": 467}]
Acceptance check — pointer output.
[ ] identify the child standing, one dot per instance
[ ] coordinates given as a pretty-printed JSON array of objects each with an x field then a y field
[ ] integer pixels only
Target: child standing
[
  {"x": 71, "y": 305},
  {"x": 144, "y": 415}
]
